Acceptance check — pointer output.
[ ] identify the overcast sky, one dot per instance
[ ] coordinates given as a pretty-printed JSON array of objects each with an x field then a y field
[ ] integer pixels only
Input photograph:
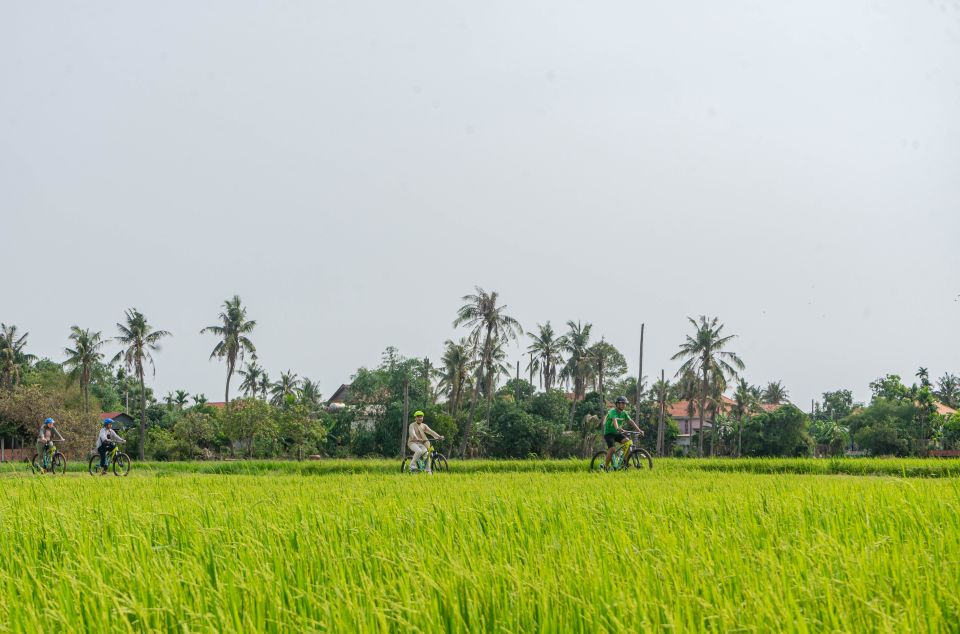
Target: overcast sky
[{"x": 352, "y": 168}]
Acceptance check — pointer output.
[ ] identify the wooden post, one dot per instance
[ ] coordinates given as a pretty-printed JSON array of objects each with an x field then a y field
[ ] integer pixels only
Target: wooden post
[
  {"x": 406, "y": 412},
  {"x": 3, "y": 448},
  {"x": 518, "y": 383},
  {"x": 640, "y": 372},
  {"x": 662, "y": 412}
]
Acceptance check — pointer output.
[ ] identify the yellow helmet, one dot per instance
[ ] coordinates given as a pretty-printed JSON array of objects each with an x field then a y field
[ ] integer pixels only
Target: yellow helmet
[{"x": 418, "y": 414}]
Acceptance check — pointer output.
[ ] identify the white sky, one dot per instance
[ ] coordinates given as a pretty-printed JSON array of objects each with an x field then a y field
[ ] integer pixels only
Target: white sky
[{"x": 352, "y": 168}]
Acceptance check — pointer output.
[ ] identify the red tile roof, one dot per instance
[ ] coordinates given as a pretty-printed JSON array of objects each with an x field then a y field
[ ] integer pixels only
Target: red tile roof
[
  {"x": 106, "y": 415},
  {"x": 945, "y": 410}
]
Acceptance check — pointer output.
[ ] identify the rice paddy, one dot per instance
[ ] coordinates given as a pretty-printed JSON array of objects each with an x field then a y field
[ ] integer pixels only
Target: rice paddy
[{"x": 489, "y": 546}]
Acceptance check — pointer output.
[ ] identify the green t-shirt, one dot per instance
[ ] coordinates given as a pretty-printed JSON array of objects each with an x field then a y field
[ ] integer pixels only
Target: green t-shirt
[{"x": 613, "y": 415}]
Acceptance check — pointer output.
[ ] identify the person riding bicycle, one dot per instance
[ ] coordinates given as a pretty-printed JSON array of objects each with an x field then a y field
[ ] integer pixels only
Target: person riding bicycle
[
  {"x": 45, "y": 439},
  {"x": 613, "y": 433},
  {"x": 418, "y": 441},
  {"x": 106, "y": 441}
]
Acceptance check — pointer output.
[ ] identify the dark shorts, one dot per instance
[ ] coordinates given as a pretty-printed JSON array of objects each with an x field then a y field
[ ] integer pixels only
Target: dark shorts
[{"x": 614, "y": 438}]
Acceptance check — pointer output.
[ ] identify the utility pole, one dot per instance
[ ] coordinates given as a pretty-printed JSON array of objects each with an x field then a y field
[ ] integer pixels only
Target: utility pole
[
  {"x": 406, "y": 411},
  {"x": 517, "y": 388},
  {"x": 640, "y": 373},
  {"x": 663, "y": 402}
]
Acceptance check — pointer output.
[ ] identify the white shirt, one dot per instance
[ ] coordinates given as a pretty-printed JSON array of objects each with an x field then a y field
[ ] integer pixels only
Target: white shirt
[
  {"x": 108, "y": 435},
  {"x": 418, "y": 433}
]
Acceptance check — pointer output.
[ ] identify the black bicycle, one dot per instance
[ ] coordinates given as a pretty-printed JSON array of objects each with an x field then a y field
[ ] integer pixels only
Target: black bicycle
[
  {"x": 438, "y": 462},
  {"x": 639, "y": 457}
]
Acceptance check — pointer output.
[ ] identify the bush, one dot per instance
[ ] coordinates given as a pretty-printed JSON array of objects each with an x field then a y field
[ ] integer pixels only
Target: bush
[
  {"x": 782, "y": 432},
  {"x": 882, "y": 439}
]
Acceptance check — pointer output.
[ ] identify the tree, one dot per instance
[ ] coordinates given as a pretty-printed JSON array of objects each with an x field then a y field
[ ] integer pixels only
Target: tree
[
  {"x": 250, "y": 385},
  {"x": 663, "y": 396},
  {"x": 924, "y": 375},
  {"x": 181, "y": 398},
  {"x": 265, "y": 384},
  {"x": 308, "y": 394},
  {"x": 836, "y": 406},
  {"x": 745, "y": 404},
  {"x": 782, "y": 432},
  {"x": 490, "y": 324},
  {"x": 890, "y": 388},
  {"x": 775, "y": 393},
  {"x": 287, "y": 386},
  {"x": 139, "y": 341},
  {"x": 199, "y": 400},
  {"x": 82, "y": 358},
  {"x": 948, "y": 390},
  {"x": 605, "y": 361},
  {"x": 704, "y": 354},
  {"x": 457, "y": 363},
  {"x": 578, "y": 367},
  {"x": 248, "y": 420},
  {"x": 545, "y": 349},
  {"x": 234, "y": 342},
  {"x": 12, "y": 356}
]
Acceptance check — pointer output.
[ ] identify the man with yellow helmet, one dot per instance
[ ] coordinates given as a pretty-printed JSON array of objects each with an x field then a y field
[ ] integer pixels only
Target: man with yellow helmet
[{"x": 418, "y": 440}]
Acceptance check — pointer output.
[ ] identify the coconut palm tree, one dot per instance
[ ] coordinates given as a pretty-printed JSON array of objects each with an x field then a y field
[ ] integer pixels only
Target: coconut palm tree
[
  {"x": 663, "y": 395},
  {"x": 181, "y": 398},
  {"x": 704, "y": 355},
  {"x": 605, "y": 360},
  {"x": 489, "y": 324},
  {"x": 744, "y": 403},
  {"x": 457, "y": 363},
  {"x": 496, "y": 368},
  {"x": 288, "y": 385},
  {"x": 234, "y": 342},
  {"x": 265, "y": 384},
  {"x": 139, "y": 341},
  {"x": 82, "y": 358},
  {"x": 578, "y": 367},
  {"x": 775, "y": 393},
  {"x": 251, "y": 378},
  {"x": 199, "y": 400},
  {"x": 12, "y": 356},
  {"x": 948, "y": 390},
  {"x": 309, "y": 393},
  {"x": 546, "y": 348},
  {"x": 715, "y": 403}
]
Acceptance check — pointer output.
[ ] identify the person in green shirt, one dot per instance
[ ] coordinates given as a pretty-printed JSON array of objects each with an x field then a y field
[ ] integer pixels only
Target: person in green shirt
[{"x": 613, "y": 433}]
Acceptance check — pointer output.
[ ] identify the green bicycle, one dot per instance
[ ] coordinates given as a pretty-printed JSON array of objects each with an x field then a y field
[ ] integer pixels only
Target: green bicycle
[
  {"x": 53, "y": 461},
  {"x": 438, "y": 462},
  {"x": 115, "y": 458},
  {"x": 638, "y": 458}
]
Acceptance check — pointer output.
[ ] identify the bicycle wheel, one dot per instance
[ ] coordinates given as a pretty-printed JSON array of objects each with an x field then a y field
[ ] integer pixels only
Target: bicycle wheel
[
  {"x": 440, "y": 462},
  {"x": 640, "y": 458},
  {"x": 35, "y": 462},
  {"x": 598, "y": 462},
  {"x": 121, "y": 464},
  {"x": 403, "y": 465},
  {"x": 58, "y": 464},
  {"x": 93, "y": 468}
]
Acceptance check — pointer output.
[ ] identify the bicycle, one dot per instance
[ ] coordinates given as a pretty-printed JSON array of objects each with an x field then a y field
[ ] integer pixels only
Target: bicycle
[
  {"x": 56, "y": 461},
  {"x": 115, "y": 458},
  {"x": 438, "y": 462},
  {"x": 638, "y": 458}
]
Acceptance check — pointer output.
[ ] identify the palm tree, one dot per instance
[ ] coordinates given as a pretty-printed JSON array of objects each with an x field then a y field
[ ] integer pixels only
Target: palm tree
[
  {"x": 496, "y": 368},
  {"x": 704, "y": 355},
  {"x": 715, "y": 403},
  {"x": 251, "y": 378},
  {"x": 82, "y": 358},
  {"x": 265, "y": 384},
  {"x": 309, "y": 393},
  {"x": 181, "y": 398},
  {"x": 948, "y": 390},
  {"x": 578, "y": 367},
  {"x": 663, "y": 395},
  {"x": 457, "y": 363},
  {"x": 745, "y": 403},
  {"x": 489, "y": 323},
  {"x": 12, "y": 356},
  {"x": 775, "y": 393},
  {"x": 545, "y": 348},
  {"x": 287, "y": 385},
  {"x": 139, "y": 341},
  {"x": 233, "y": 330},
  {"x": 199, "y": 400},
  {"x": 170, "y": 400}
]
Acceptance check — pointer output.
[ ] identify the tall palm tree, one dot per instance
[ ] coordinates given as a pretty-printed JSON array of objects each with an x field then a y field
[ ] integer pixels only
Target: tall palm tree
[
  {"x": 251, "y": 378},
  {"x": 199, "y": 400},
  {"x": 82, "y": 358},
  {"x": 546, "y": 348},
  {"x": 744, "y": 404},
  {"x": 309, "y": 393},
  {"x": 181, "y": 398},
  {"x": 715, "y": 403},
  {"x": 265, "y": 384},
  {"x": 924, "y": 375},
  {"x": 457, "y": 363},
  {"x": 287, "y": 385},
  {"x": 139, "y": 341},
  {"x": 12, "y": 356},
  {"x": 170, "y": 400},
  {"x": 232, "y": 330},
  {"x": 663, "y": 395},
  {"x": 704, "y": 355},
  {"x": 489, "y": 324},
  {"x": 775, "y": 393},
  {"x": 496, "y": 368},
  {"x": 578, "y": 367},
  {"x": 948, "y": 390}
]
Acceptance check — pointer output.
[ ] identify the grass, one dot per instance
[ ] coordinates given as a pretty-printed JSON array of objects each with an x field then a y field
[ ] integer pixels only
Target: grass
[{"x": 487, "y": 547}]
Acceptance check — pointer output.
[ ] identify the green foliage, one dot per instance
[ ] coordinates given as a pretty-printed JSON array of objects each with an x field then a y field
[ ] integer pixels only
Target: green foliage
[
  {"x": 951, "y": 432},
  {"x": 250, "y": 420},
  {"x": 518, "y": 434},
  {"x": 889, "y": 388},
  {"x": 552, "y": 406},
  {"x": 782, "y": 432},
  {"x": 882, "y": 438}
]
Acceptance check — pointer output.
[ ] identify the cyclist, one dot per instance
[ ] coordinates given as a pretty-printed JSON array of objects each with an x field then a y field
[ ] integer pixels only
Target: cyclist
[
  {"x": 613, "y": 433},
  {"x": 45, "y": 439},
  {"x": 105, "y": 443},
  {"x": 419, "y": 441}
]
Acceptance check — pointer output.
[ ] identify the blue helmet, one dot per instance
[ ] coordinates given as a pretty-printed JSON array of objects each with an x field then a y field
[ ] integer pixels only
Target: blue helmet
[
  {"x": 49, "y": 421},
  {"x": 107, "y": 421}
]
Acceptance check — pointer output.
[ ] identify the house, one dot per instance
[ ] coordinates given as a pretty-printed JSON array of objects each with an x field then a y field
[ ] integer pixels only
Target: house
[
  {"x": 367, "y": 415},
  {"x": 687, "y": 416},
  {"x": 339, "y": 398},
  {"x": 121, "y": 420},
  {"x": 945, "y": 410}
]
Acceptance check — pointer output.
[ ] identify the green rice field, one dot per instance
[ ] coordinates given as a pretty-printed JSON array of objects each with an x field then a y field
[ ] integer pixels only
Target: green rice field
[{"x": 754, "y": 546}]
